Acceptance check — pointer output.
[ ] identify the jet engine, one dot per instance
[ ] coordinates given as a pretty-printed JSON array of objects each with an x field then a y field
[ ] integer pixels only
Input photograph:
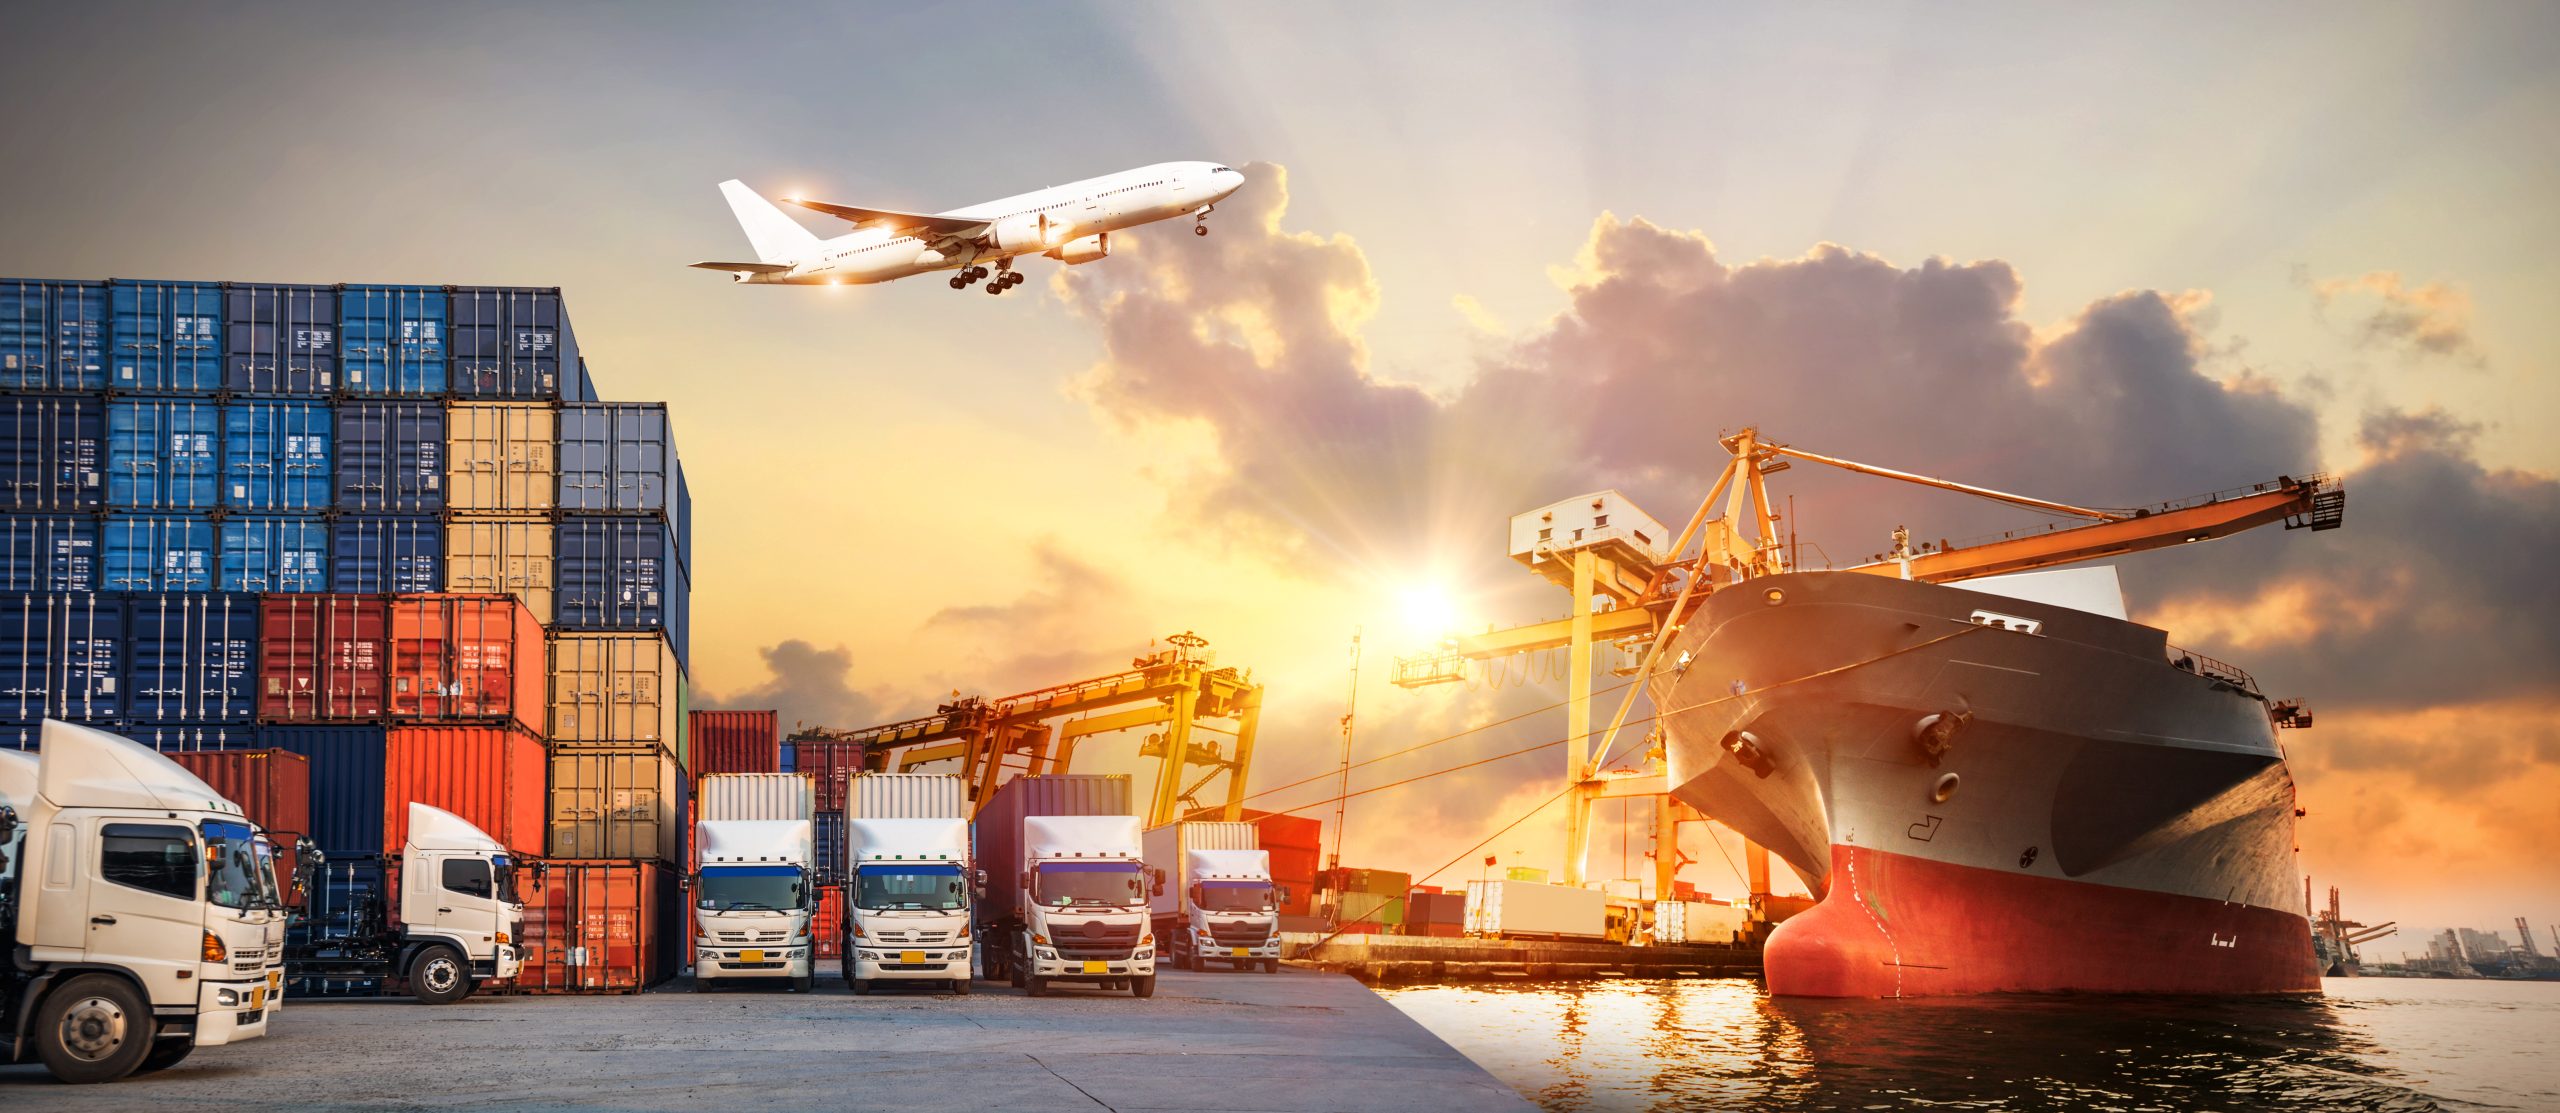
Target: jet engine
[
  {"x": 1027, "y": 232},
  {"x": 1083, "y": 250}
]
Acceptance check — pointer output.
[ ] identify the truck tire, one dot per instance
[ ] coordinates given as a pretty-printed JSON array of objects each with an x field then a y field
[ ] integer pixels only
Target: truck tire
[
  {"x": 861, "y": 986},
  {"x": 960, "y": 987},
  {"x": 164, "y": 1055},
  {"x": 439, "y": 976},
  {"x": 1036, "y": 986},
  {"x": 96, "y": 1028},
  {"x": 1013, "y": 974},
  {"x": 1270, "y": 966},
  {"x": 701, "y": 984},
  {"x": 1144, "y": 985},
  {"x": 801, "y": 984}
]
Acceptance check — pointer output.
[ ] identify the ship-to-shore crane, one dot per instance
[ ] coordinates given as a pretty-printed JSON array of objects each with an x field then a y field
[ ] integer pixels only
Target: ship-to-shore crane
[{"x": 1604, "y": 551}]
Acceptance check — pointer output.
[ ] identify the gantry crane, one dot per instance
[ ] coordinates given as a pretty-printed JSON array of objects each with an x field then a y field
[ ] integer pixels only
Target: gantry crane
[
  {"x": 1609, "y": 552},
  {"x": 1178, "y": 689}
]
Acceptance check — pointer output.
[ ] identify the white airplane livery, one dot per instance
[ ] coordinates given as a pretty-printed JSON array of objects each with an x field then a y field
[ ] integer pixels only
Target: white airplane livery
[{"x": 1071, "y": 223}]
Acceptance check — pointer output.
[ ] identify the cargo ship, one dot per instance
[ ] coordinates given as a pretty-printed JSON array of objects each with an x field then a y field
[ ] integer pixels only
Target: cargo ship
[{"x": 1992, "y": 780}]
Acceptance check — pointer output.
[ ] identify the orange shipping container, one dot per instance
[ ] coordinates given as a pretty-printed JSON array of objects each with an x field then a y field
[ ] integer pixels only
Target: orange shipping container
[
  {"x": 466, "y": 658},
  {"x": 490, "y": 775},
  {"x": 598, "y": 927},
  {"x": 827, "y": 927},
  {"x": 272, "y": 787}
]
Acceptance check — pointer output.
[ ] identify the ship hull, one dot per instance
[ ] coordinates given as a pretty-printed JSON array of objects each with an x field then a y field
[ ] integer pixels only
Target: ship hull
[{"x": 2097, "y": 818}]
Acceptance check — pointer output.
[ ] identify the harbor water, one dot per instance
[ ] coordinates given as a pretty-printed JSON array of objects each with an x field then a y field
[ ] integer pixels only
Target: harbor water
[{"x": 2367, "y": 1044}]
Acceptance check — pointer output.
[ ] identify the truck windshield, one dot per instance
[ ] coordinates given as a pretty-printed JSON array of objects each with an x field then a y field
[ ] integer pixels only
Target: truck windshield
[
  {"x": 749, "y": 889},
  {"x": 238, "y": 876},
  {"x": 1235, "y": 896},
  {"x": 930, "y": 887},
  {"x": 1060, "y": 884},
  {"x": 503, "y": 869}
]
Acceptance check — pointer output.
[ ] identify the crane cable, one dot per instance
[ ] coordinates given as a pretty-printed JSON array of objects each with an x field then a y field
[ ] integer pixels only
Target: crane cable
[{"x": 1540, "y": 710}]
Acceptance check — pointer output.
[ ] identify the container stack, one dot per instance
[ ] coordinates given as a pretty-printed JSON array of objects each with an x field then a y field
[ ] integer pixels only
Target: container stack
[{"x": 387, "y": 536}]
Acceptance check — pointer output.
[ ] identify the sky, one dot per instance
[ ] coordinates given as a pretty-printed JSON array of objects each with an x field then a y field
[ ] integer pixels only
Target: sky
[{"x": 1490, "y": 256}]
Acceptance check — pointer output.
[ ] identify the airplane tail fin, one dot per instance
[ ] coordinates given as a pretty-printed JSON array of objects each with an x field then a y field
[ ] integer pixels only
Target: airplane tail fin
[{"x": 776, "y": 238}]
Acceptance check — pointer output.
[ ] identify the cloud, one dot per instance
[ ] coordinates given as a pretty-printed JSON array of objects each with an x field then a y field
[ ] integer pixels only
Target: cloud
[
  {"x": 810, "y": 686},
  {"x": 2432, "y": 319},
  {"x": 1067, "y": 619}
]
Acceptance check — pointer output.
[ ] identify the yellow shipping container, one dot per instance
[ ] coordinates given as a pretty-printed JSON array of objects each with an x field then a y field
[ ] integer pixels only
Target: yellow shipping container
[
  {"x": 500, "y": 458},
  {"x": 502, "y": 556},
  {"x": 614, "y": 800},
  {"x": 615, "y": 688}
]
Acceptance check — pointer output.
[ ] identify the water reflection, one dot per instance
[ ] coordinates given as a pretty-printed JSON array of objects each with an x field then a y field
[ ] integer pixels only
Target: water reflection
[{"x": 1611, "y": 1045}]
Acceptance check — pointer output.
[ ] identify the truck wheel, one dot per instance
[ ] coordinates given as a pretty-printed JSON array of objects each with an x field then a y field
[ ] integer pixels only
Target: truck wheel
[
  {"x": 94, "y": 1029},
  {"x": 861, "y": 986},
  {"x": 1013, "y": 974},
  {"x": 1270, "y": 966},
  {"x": 1036, "y": 985},
  {"x": 960, "y": 986},
  {"x": 801, "y": 983},
  {"x": 164, "y": 1055},
  {"x": 1143, "y": 985},
  {"x": 439, "y": 976},
  {"x": 701, "y": 983}
]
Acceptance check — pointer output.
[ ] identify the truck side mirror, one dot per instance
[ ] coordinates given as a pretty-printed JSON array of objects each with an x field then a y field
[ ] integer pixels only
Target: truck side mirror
[
  {"x": 1280, "y": 894},
  {"x": 307, "y": 862},
  {"x": 8, "y": 829}
]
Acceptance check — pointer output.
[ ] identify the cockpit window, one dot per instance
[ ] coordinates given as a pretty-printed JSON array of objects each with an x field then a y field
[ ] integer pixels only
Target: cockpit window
[
  {"x": 1222, "y": 170},
  {"x": 239, "y": 875},
  {"x": 150, "y": 857}
]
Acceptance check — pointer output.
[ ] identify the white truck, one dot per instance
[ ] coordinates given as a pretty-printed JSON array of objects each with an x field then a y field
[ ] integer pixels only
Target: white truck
[
  {"x": 754, "y": 897},
  {"x": 1078, "y": 907},
  {"x": 906, "y": 916},
  {"x": 144, "y": 907},
  {"x": 1219, "y": 903},
  {"x": 461, "y": 921}
]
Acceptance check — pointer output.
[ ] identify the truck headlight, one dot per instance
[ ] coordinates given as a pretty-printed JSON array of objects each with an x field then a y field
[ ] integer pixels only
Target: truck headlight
[
  {"x": 1048, "y": 955},
  {"x": 226, "y": 997}
]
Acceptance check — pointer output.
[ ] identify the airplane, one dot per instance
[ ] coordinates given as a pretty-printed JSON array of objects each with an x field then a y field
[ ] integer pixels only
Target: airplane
[{"x": 1071, "y": 223}]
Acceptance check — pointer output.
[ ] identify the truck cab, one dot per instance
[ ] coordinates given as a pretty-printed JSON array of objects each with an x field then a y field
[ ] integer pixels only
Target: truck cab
[
  {"x": 907, "y": 903},
  {"x": 145, "y": 910},
  {"x": 1230, "y": 911},
  {"x": 462, "y": 922},
  {"x": 1085, "y": 887},
  {"x": 753, "y": 898}
]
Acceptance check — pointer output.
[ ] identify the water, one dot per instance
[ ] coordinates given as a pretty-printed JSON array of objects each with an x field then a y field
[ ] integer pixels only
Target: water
[{"x": 2369, "y": 1044}]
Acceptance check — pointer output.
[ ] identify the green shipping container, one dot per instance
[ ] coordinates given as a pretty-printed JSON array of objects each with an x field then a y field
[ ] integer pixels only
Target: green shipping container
[
  {"x": 1386, "y": 909},
  {"x": 1530, "y": 874}
]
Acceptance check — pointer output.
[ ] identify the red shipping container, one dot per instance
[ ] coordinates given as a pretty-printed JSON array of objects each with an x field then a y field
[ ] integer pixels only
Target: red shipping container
[
  {"x": 827, "y": 927},
  {"x": 467, "y": 658},
  {"x": 1275, "y": 831},
  {"x": 492, "y": 776},
  {"x": 273, "y": 787},
  {"x": 825, "y": 763},
  {"x": 1434, "y": 890},
  {"x": 1443, "y": 931},
  {"x": 322, "y": 657},
  {"x": 597, "y": 926},
  {"x": 1295, "y": 870},
  {"x": 734, "y": 742}
]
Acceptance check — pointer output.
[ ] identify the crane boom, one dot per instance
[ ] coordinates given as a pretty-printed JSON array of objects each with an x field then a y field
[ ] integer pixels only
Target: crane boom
[{"x": 2315, "y": 502}]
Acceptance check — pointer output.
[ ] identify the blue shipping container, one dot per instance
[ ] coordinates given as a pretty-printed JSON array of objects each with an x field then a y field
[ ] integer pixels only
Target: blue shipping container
[
  {"x": 53, "y": 451},
  {"x": 53, "y": 335},
  {"x": 828, "y": 829},
  {"x": 172, "y": 737},
  {"x": 282, "y": 339},
  {"x": 684, "y": 518},
  {"x": 159, "y": 552},
  {"x": 275, "y": 552},
  {"x": 346, "y": 782},
  {"x": 167, "y": 337},
  {"x": 48, "y": 552},
  {"x": 514, "y": 342},
  {"x": 164, "y": 454},
  {"x": 61, "y": 656},
  {"x": 191, "y": 657},
  {"x": 391, "y": 340},
  {"x": 619, "y": 574},
  {"x": 276, "y": 455},
  {"x": 376, "y": 553},
  {"x": 619, "y": 457},
  {"x": 390, "y": 456}
]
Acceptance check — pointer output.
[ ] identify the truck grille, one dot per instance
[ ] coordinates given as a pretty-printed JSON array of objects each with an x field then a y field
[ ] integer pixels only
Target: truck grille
[
  {"x": 901, "y": 938},
  {"x": 1094, "y": 940},
  {"x": 753, "y": 936},
  {"x": 1240, "y": 935}
]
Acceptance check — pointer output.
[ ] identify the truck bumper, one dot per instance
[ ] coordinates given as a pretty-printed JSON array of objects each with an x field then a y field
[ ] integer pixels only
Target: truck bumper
[
  {"x": 930, "y": 965},
  {"x": 786, "y": 962},
  {"x": 508, "y": 963},
  {"x": 1210, "y": 950},
  {"x": 229, "y": 1012},
  {"x": 1094, "y": 970}
]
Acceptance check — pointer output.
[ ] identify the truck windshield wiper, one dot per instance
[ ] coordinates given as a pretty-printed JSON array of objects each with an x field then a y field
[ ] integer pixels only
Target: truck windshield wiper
[{"x": 748, "y": 906}]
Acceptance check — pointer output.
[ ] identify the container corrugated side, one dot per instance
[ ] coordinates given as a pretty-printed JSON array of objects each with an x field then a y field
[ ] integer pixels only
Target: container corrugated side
[
  {"x": 734, "y": 741},
  {"x": 53, "y": 335},
  {"x": 827, "y": 836},
  {"x": 513, "y": 342},
  {"x": 598, "y": 927},
  {"x": 613, "y": 688},
  {"x": 620, "y": 457},
  {"x": 500, "y": 458},
  {"x": 505, "y": 556},
  {"x": 390, "y": 457},
  {"x": 274, "y": 552},
  {"x": 906, "y": 796},
  {"x": 1168, "y": 848},
  {"x": 1280, "y": 829},
  {"x": 1533, "y": 909},
  {"x": 272, "y": 787},
  {"x": 467, "y": 658},
  {"x": 826, "y": 929},
  {"x": 491, "y": 776},
  {"x": 374, "y": 553},
  {"x": 621, "y": 574},
  {"x": 159, "y": 552},
  {"x": 1296, "y": 869},
  {"x": 614, "y": 801},
  {"x": 191, "y": 657},
  {"x": 281, "y": 339},
  {"x": 166, "y": 339},
  {"x": 999, "y": 826},
  {"x": 164, "y": 454},
  {"x": 323, "y": 657},
  {"x": 347, "y": 782},
  {"x": 391, "y": 340},
  {"x": 62, "y": 657},
  {"x": 49, "y": 552},
  {"x": 276, "y": 455},
  {"x": 753, "y": 796},
  {"x": 826, "y": 762},
  {"x": 53, "y": 452}
]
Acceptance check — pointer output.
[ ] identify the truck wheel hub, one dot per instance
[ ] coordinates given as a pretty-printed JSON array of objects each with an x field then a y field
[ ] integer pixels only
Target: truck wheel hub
[
  {"x": 93, "y": 1028},
  {"x": 440, "y": 975}
]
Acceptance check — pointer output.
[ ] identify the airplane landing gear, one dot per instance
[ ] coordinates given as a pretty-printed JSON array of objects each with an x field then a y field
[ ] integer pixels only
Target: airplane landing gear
[
  {"x": 1199, "y": 229},
  {"x": 958, "y": 282},
  {"x": 1200, "y": 223}
]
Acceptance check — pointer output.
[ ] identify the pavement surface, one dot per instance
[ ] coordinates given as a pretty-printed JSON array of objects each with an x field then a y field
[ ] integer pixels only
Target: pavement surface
[{"x": 1296, "y": 1040}]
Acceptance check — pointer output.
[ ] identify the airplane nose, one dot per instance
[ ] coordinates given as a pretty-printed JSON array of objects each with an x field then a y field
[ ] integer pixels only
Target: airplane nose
[{"x": 1228, "y": 181}]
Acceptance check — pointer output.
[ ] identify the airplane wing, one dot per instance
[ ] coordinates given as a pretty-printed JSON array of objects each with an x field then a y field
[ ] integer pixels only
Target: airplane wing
[
  {"x": 747, "y": 268},
  {"x": 895, "y": 220}
]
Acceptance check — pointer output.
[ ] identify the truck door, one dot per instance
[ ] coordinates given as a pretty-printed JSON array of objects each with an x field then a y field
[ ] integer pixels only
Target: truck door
[
  {"x": 144, "y": 911},
  {"x": 467, "y": 903}
]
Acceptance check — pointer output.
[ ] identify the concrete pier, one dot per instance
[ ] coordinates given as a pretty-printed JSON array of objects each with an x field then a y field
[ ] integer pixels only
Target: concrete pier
[
  {"x": 1410, "y": 958},
  {"x": 1296, "y": 1040}
]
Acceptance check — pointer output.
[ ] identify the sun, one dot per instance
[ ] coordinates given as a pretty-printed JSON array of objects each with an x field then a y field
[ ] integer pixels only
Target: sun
[{"x": 1428, "y": 611}]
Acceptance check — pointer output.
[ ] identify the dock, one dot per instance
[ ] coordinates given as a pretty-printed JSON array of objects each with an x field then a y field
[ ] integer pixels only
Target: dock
[
  {"x": 1295, "y": 1040},
  {"x": 1413, "y": 958}
]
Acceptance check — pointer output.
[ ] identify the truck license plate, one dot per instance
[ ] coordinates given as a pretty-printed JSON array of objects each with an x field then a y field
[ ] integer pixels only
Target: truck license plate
[
  {"x": 911, "y": 957},
  {"x": 751, "y": 956},
  {"x": 1240, "y": 951},
  {"x": 1092, "y": 967},
  {"x": 258, "y": 998}
]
